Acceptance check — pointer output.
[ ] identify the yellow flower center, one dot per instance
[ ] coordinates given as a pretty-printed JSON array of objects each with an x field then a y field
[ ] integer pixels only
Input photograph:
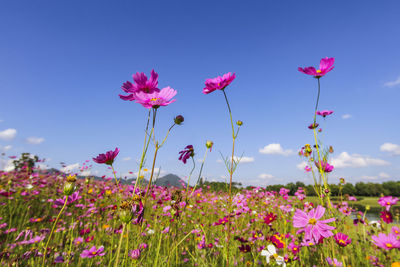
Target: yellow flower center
[
  {"x": 318, "y": 71},
  {"x": 389, "y": 245},
  {"x": 219, "y": 84},
  {"x": 94, "y": 253},
  {"x": 312, "y": 221},
  {"x": 154, "y": 99},
  {"x": 342, "y": 242},
  {"x": 388, "y": 203},
  {"x": 311, "y": 244},
  {"x": 275, "y": 255}
]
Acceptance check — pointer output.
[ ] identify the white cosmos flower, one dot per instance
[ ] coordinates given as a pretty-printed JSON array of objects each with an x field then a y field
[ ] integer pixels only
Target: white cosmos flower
[{"x": 271, "y": 253}]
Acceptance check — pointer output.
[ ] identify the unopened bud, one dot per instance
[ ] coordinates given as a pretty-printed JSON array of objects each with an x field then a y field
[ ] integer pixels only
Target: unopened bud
[
  {"x": 239, "y": 123},
  {"x": 367, "y": 207},
  {"x": 209, "y": 144},
  {"x": 69, "y": 188},
  {"x": 326, "y": 191},
  {"x": 179, "y": 119}
]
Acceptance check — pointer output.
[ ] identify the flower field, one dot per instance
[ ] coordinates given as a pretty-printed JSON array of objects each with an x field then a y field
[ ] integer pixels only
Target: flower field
[{"x": 62, "y": 219}]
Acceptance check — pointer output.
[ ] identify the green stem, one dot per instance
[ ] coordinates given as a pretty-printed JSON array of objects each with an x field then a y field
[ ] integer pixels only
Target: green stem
[
  {"x": 190, "y": 175},
  {"x": 145, "y": 146},
  {"x": 52, "y": 230},
  {"x": 201, "y": 169},
  {"x": 119, "y": 245}
]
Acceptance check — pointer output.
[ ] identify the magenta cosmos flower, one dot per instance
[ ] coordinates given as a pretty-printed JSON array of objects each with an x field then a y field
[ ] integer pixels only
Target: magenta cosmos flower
[
  {"x": 218, "y": 83},
  {"x": 325, "y": 166},
  {"x": 142, "y": 84},
  {"x": 186, "y": 153},
  {"x": 107, "y": 158},
  {"x": 388, "y": 201},
  {"x": 93, "y": 252},
  {"x": 386, "y": 242},
  {"x": 325, "y": 66},
  {"x": 156, "y": 99},
  {"x": 324, "y": 113},
  {"x": 313, "y": 227},
  {"x": 342, "y": 239}
]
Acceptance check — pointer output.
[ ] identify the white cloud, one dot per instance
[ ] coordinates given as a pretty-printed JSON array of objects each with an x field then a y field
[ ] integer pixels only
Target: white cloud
[
  {"x": 5, "y": 148},
  {"x": 355, "y": 160},
  {"x": 43, "y": 166},
  {"x": 275, "y": 149},
  {"x": 6, "y": 165},
  {"x": 384, "y": 175},
  {"x": 126, "y": 159},
  {"x": 236, "y": 158},
  {"x": 301, "y": 165},
  {"x": 34, "y": 140},
  {"x": 346, "y": 116},
  {"x": 394, "y": 149},
  {"x": 392, "y": 83},
  {"x": 8, "y": 134},
  {"x": 265, "y": 176},
  {"x": 86, "y": 173},
  {"x": 70, "y": 168}
]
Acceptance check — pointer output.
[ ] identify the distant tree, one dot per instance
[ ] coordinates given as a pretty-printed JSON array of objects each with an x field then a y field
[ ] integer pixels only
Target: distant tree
[
  {"x": 349, "y": 189},
  {"x": 26, "y": 162}
]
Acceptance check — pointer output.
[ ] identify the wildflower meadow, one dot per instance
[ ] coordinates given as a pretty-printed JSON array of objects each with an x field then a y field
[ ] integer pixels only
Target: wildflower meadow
[{"x": 63, "y": 219}]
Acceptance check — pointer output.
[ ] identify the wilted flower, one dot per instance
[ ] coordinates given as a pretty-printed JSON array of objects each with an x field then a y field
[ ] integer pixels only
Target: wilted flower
[
  {"x": 325, "y": 166},
  {"x": 313, "y": 126},
  {"x": 325, "y": 66},
  {"x": 209, "y": 144},
  {"x": 107, "y": 158},
  {"x": 186, "y": 153},
  {"x": 218, "y": 83}
]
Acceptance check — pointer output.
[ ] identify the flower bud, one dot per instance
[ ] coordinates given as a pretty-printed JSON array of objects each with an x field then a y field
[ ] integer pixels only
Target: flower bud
[
  {"x": 239, "y": 123},
  {"x": 209, "y": 144},
  {"x": 69, "y": 188},
  {"x": 125, "y": 215},
  {"x": 179, "y": 119},
  {"x": 368, "y": 207},
  {"x": 326, "y": 191}
]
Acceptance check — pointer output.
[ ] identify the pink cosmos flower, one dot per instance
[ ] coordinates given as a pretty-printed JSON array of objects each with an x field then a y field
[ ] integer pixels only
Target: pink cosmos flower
[
  {"x": 93, "y": 252},
  {"x": 388, "y": 201},
  {"x": 324, "y": 113},
  {"x": 107, "y": 158},
  {"x": 325, "y": 66},
  {"x": 342, "y": 239},
  {"x": 396, "y": 230},
  {"x": 134, "y": 254},
  {"x": 218, "y": 83},
  {"x": 157, "y": 98},
  {"x": 386, "y": 242},
  {"x": 334, "y": 262},
  {"x": 312, "y": 126},
  {"x": 352, "y": 198},
  {"x": 386, "y": 216},
  {"x": 313, "y": 227},
  {"x": 307, "y": 168},
  {"x": 142, "y": 84},
  {"x": 325, "y": 166}
]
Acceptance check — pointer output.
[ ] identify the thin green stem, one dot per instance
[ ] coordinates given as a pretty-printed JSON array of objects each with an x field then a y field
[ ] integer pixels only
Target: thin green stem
[
  {"x": 52, "y": 230},
  {"x": 119, "y": 245},
  {"x": 190, "y": 175},
  {"x": 201, "y": 170},
  {"x": 145, "y": 146}
]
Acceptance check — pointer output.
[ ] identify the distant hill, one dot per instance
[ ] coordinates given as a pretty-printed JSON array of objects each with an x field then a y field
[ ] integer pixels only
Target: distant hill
[{"x": 170, "y": 180}]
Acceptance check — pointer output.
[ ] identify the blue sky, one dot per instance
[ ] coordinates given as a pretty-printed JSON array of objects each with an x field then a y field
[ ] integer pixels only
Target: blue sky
[{"x": 62, "y": 64}]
